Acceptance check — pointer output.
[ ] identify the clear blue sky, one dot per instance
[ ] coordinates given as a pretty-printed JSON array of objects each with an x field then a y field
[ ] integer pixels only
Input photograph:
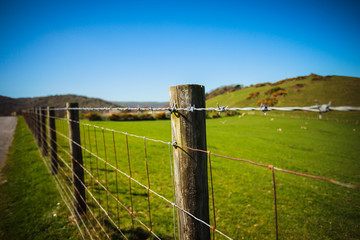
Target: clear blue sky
[{"x": 135, "y": 50}]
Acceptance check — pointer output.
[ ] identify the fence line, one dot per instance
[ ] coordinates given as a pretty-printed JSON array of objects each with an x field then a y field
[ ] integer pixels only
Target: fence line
[
  {"x": 142, "y": 185},
  {"x": 126, "y": 175},
  {"x": 315, "y": 108},
  {"x": 218, "y": 155},
  {"x": 37, "y": 124},
  {"x": 62, "y": 194},
  {"x": 78, "y": 215},
  {"x": 104, "y": 187},
  {"x": 213, "y": 228}
]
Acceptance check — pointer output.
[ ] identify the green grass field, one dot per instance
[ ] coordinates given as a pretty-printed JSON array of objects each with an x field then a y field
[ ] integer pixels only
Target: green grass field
[
  {"x": 307, "y": 208},
  {"x": 30, "y": 205}
]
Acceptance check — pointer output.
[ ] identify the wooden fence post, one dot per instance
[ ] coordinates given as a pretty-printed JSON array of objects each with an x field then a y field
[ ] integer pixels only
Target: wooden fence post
[
  {"x": 77, "y": 160},
  {"x": 38, "y": 127},
  {"x": 190, "y": 167},
  {"x": 52, "y": 137},
  {"x": 44, "y": 145},
  {"x": 34, "y": 117}
]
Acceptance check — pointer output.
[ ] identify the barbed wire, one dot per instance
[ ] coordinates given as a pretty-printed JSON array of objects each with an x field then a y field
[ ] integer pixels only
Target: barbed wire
[{"x": 264, "y": 108}]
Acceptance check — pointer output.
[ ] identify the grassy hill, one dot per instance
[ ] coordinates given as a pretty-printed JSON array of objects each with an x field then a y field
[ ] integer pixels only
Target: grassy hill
[
  {"x": 142, "y": 104},
  {"x": 299, "y": 91},
  {"x": 9, "y": 105}
]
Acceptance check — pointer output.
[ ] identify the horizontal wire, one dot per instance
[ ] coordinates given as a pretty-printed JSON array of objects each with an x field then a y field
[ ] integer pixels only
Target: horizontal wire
[
  {"x": 315, "y": 108},
  {"x": 111, "y": 130},
  {"x": 278, "y": 169}
]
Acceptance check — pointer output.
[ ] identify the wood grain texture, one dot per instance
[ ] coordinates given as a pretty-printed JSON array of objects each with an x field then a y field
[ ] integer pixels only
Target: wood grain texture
[{"x": 190, "y": 167}]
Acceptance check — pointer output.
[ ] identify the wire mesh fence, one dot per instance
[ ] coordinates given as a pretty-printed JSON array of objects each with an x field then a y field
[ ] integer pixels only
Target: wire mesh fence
[{"x": 129, "y": 181}]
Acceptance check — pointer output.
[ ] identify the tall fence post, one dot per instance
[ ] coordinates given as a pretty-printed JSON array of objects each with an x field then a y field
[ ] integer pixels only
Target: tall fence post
[
  {"x": 190, "y": 167},
  {"x": 44, "y": 145},
  {"x": 77, "y": 160},
  {"x": 52, "y": 137}
]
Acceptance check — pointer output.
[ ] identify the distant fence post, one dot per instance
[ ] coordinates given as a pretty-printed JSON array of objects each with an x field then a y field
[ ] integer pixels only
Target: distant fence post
[
  {"x": 44, "y": 145},
  {"x": 38, "y": 127},
  {"x": 77, "y": 160},
  {"x": 34, "y": 122},
  {"x": 52, "y": 137},
  {"x": 190, "y": 167}
]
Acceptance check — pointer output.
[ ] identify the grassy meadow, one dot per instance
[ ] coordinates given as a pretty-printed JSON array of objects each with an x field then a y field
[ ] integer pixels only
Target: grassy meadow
[
  {"x": 30, "y": 205},
  {"x": 244, "y": 205}
]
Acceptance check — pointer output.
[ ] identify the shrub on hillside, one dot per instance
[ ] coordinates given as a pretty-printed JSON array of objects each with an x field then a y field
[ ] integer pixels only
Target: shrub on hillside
[
  {"x": 279, "y": 93},
  {"x": 272, "y": 90},
  {"x": 279, "y": 82},
  {"x": 260, "y": 85},
  {"x": 298, "y": 86},
  {"x": 93, "y": 116},
  {"x": 252, "y": 95},
  {"x": 269, "y": 101}
]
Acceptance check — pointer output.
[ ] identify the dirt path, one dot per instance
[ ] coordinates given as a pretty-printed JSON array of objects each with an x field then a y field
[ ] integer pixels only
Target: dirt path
[{"x": 7, "y": 128}]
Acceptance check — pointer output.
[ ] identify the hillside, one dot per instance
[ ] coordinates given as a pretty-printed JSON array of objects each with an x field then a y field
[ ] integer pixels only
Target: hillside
[
  {"x": 9, "y": 105},
  {"x": 142, "y": 104},
  {"x": 299, "y": 91},
  {"x": 222, "y": 90}
]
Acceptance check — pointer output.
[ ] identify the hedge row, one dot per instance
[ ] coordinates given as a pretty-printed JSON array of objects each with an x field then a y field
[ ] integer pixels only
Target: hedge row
[{"x": 93, "y": 116}]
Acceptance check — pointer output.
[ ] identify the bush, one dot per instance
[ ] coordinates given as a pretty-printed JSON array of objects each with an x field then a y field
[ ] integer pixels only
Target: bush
[
  {"x": 161, "y": 116},
  {"x": 129, "y": 117},
  {"x": 279, "y": 93},
  {"x": 279, "y": 82},
  {"x": 269, "y": 101},
  {"x": 93, "y": 116},
  {"x": 232, "y": 113},
  {"x": 146, "y": 116},
  {"x": 272, "y": 90},
  {"x": 252, "y": 95},
  {"x": 260, "y": 85},
  {"x": 114, "y": 117}
]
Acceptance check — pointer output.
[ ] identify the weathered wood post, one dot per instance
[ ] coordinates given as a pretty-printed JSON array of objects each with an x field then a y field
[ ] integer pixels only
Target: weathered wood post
[
  {"x": 77, "y": 160},
  {"x": 34, "y": 122},
  {"x": 38, "y": 126},
  {"x": 44, "y": 145},
  {"x": 190, "y": 167},
  {"x": 52, "y": 137}
]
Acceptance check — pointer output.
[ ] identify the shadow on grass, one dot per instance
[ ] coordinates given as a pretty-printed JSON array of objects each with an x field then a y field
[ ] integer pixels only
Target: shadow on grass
[{"x": 136, "y": 234}]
